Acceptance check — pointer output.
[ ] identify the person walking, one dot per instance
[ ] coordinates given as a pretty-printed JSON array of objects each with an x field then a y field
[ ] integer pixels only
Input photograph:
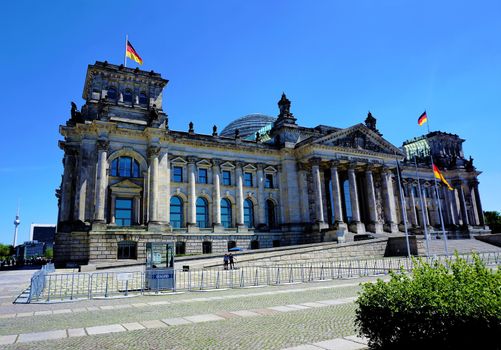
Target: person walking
[
  {"x": 232, "y": 261},
  {"x": 226, "y": 259}
]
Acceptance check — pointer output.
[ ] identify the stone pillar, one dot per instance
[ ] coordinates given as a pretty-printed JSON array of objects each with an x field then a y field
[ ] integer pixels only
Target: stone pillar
[
  {"x": 464, "y": 209},
  {"x": 163, "y": 188},
  {"x": 303, "y": 192},
  {"x": 315, "y": 172},
  {"x": 355, "y": 225},
  {"x": 261, "y": 217},
  {"x": 153, "y": 152},
  {"x": 112, "y": 208},
  {"x": 336, "y": 195},
  {"x": 216, "y": 202},
  {"x": 102, "y": 179},
  {"x": 374, "y": 225},
  {"x": 389, "y": 202},
  {"x": 457, "y": 204},
  {"x": 192, "y": 195},
  {"x": 240, "y": 195},
  {"x": 450, "y": 202},
  {"x": 69, "y": 162},
  {"x": 412, "y": 197},
  {"x": 474, "y": 204},
  {"x": 478, "y": 202}
]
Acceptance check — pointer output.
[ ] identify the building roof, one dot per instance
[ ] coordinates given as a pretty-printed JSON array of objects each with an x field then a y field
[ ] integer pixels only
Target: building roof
[{"x": 247, "y": 125}]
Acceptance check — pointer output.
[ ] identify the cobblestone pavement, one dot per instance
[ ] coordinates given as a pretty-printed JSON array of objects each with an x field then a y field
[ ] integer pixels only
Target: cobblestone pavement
[{"x": 302, "y": 316}]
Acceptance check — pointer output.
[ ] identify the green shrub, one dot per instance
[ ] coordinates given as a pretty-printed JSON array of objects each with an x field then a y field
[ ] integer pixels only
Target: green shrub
[{"x": 454, "y": 307}]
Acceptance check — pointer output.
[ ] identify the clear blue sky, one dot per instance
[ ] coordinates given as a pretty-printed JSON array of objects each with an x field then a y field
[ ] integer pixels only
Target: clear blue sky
[{"x": 335, "y": 60}]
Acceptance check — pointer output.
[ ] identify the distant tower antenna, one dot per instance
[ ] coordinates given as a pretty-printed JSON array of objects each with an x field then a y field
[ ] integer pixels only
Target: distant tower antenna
[{"x": 16, "y": 224}]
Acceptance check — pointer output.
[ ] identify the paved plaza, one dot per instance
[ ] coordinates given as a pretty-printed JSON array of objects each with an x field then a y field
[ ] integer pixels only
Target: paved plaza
[{"x": 296, "y": 316}]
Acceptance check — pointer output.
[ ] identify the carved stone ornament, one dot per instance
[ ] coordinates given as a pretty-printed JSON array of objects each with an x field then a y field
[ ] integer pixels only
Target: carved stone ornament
[
  {"x": 153, "y": 151},
  {"x": 102, "y": 145}
]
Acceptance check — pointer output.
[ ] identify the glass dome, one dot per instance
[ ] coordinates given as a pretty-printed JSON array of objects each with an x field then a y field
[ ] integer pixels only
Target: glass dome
[{"x": 247, "y": 125}]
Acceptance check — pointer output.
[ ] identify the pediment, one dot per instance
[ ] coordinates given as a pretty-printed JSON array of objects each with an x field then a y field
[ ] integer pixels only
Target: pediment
[
  {"x": 204, "y": 163},
  {"x": 179, "y": 160},
  {"x": 250, "y": 167},
  {"x": 358, "y": 137},
  {"x": 227, "y": 165},
  {"x": 125, "y": 186},
  {"x": 270, "y": 169}
]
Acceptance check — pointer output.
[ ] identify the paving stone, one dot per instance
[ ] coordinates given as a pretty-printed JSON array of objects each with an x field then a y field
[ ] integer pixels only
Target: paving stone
[
  {"x": 107, "y": 307},
  {"x": 76, "y": 332},
  {"x": 159, "y": 303},
  {"x": 79, "y": 309},
  {"x": 313, "y": 304},
  {"x": 266, "y": 312},
  {"x": 354, "y": 338},
  {"x": 340, "y": 344},
  {"x": 175, "y": 321},
  {"x": 298, "y": 307},
  {"x": 40, "y": 313},
  {"x": 7, "y": 315},
  {"x": 245, "y": 313},
  {"x": 123, "y": 306},
  {"x": 153, "y": 324},
  {"x": 24, "y": 314},
  {"x": 61, "y": 311},
  {"x": 282, "y": 308},
  {"x": 7, "y": 339},
  {"x": 333, "y": 302},
  {"x": 304, "y": 347},
  {"x": 204, "y": 318},
  {"x": 139, "y": 304},
  {"x": 133, "y": 326},
  {"x": 112, "y": 328},
  {"x": 93, "y": 308},
  {"x": 50, "y": 335}
]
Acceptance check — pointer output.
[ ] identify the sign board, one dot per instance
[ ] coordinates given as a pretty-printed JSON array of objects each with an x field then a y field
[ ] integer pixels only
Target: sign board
[
  {"x": 125, "y": 276},
  {"x": 159, "y": 279}
]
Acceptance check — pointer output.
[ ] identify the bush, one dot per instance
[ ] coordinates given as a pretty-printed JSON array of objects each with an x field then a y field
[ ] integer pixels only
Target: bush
[{"x": 455, "y": 307}]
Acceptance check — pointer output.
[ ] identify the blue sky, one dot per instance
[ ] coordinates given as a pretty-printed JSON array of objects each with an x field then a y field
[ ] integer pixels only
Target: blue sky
[{"x": 224, "y": 59}]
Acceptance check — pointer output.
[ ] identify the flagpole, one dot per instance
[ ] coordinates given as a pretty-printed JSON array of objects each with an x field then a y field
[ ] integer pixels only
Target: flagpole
[
  {"x": 422, "y": 208},
  {"x": 437, "y": 197},
  {"x": 125, "y": 54},
  {"x": 404, "y": 208}
]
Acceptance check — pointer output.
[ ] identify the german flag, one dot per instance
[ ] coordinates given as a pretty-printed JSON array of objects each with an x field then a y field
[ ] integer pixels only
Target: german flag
[
  {"x": 423, "y": 118},
  {"x": 441, "y": 177},
  {"x": 132, "y": 54}
]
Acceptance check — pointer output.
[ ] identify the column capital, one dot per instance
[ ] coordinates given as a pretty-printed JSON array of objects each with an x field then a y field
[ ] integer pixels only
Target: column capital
[
  {"x": 260, "y": 166},
  {"x": 335, "y": 163},
  {"x": 102, "y": 145},
  {"x": 369, "y": 168},
  {"x": 153, "y": 151},
  {"x": 239, "y": 164},
  {"x": 191, "y": 159},
  {"x": 303, "y": 166},
  {"x": 474, "y": 183},
  {"x": 216, "y": 162},
  {"x": 315, "y": 161}
]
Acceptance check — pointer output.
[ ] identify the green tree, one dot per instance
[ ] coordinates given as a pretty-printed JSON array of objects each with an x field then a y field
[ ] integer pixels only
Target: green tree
[
  {"x": 6, "y": 250},
  {"x": 493, "y": 220},
  {"x": 49, "y": 253}
]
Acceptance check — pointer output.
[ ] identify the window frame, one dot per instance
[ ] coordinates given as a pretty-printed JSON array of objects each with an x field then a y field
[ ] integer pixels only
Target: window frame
[
  {"x": 269, "y": 180},
  {"x": 174, "y": 175},
  {"x": 122, "y": 221},
  {"x": 117, "y": 170},
  {"x": 173, "y": 223},
  {"x": 203, "y": 179},
  {"x": 248, "y": 179},
  {"x": 226, "y": 181}
]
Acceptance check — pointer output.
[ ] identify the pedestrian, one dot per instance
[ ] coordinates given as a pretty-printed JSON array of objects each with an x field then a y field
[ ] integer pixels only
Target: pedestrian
[
  {"x": 226, "y": 259},
  {"x": 232, "y": 261}
]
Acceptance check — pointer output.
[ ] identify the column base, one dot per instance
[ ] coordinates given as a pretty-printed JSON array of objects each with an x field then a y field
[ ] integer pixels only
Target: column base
[
  {"x": 375, "y": 227},
  {"x": 217, "y": 228},
  {"x": 357, "y": 227},
  {"x": 242, "y": 228},
  {"x": 319, "y": 226},
  {"x": 341, "y": 231},
  {"x": 391, "y": 227},
  {"x": 99, "y": 225},
  {"x": 159, "y": 226},
  {"x": 192, "y": 228}
]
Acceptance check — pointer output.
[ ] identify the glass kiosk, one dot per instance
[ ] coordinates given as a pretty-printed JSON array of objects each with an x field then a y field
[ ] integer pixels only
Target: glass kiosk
[{"x": 160, "y": 273}]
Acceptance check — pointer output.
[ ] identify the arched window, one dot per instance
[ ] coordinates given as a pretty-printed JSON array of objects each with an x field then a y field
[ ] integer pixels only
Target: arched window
[
  {"x": 347, "y": 200},
  {"x": 269, "y": 209},
  {"x": 176, "y": 212},
  {"x": 202, "y": 213},
  {"x": 124, "y": 167},
  {"x": 112, "y": 93},
  {"x": 248, "y": 213},
  {"x": 226, "y": 213},
  {"x": 143, "y": 99},
  {"x": 128, "y": 96}
]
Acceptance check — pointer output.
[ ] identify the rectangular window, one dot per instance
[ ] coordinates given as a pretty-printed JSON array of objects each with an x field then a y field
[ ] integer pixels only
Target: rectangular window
[
  {"x": 248, "y": 179},
  {"x": 268, "y": 181},
  {"x": 177, "y": 174},
  {"x": 226, "y": 178},
  {"x": 202, "y": 176},
  {"x": 123, "y": 211}
]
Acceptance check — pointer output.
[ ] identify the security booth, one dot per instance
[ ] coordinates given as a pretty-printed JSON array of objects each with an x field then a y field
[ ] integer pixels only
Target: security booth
[{"x": 160, "y": 273}]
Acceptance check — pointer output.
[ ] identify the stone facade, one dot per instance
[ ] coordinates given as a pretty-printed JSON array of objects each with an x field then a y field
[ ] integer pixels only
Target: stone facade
[{"x": 128, "y": 179}]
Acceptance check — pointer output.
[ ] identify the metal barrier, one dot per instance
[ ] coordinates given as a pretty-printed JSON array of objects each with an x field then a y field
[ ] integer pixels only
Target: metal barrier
[{"x": 49, "y": 287}]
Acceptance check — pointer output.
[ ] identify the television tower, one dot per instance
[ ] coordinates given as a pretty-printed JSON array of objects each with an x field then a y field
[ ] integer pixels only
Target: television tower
[{"x": 16, "y": 224}]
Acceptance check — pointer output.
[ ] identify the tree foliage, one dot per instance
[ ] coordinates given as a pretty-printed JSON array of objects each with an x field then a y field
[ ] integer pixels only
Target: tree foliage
[
  {"x": 6, "y": 250},
  {"x": 439, "y": 307},
  {"x": 493, "y": 220}
]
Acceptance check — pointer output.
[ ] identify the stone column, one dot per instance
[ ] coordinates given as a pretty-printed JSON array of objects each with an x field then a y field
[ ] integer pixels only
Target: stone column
[
  {"x": 457, "y": 204},
  {"x": 450, "y": 203},
  {"x": 374, "y": 225},
  {"x": 355, "y": 225},
  {"x": 446, "y": 209},
  {"x": 478, "y": 202},
  {"x": 153, "y": 152},
  {"x": 464, "y": 209},
  {"x": 192, "y": 195},
  {"x": 474, "y": 204},
  {"x": 216, "y": 202},
  {"x": 112, "y": 210},
  {"x": 336, "y": 195},
  {"x": 389, "y": 202},
  {"x": 163, "y": 187},
  {"x": 102, "y": 179},
  {"x": 137, "y": 210},
  {"x": 303, "y": 192},
  {"x": 261, "y": 217},
  {"x": 240, "y": 195},
  {"x": 69, "y": 162},
  {"x": 412, "y": 197},
  {"x": 315, "y": 171}
]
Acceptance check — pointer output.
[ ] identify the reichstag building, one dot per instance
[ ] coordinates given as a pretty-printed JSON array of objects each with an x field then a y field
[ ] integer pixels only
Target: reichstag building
[{"x": 261, "y": 182}]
